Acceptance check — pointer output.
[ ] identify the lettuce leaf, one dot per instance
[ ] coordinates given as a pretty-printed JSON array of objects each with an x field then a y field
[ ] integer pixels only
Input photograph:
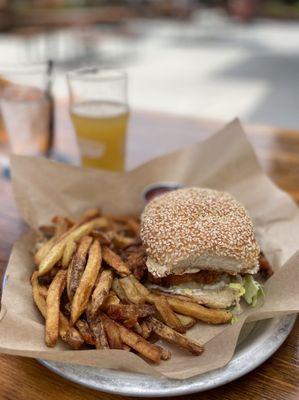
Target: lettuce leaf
[
  {"x": 239, "y": 287},
  {"x": 253, "y": 290}
]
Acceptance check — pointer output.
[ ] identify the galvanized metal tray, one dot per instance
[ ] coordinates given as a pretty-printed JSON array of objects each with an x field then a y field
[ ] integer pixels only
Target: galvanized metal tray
[{"x": 257, "y": 343}]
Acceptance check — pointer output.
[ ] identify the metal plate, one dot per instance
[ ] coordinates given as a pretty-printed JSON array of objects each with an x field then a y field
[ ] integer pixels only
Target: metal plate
[{"x": 263, "y": 340}]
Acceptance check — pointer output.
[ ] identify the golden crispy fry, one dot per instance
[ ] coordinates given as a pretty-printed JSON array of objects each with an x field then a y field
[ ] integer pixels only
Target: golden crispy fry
[
  {"x": 75, "y": 233},
  {"x": 119, "y": 290},
  {"x": 78, "y": 232},
  {"x": 61, "y": 225},
  {"x": 77, "y": 266},
  {"x": 186, "y": 321},
  {"x": 144, "y": 292},
  {"x": 165, "y": 354},
  {"x": 87, "y": 282},
  {"x": 103, "y": 237},
  {"x": 112, "y": 333},
  {"x": 53, "y": 301},
  {"x": 168, "y": 316},
  {"x": 68, "y": 252},
  {"x": 139, "y": 344},
  {"x": 85, "y": 332},
  {"x": 130, "y": 290},
  {"x": 128, "y": 311},
  {"x": 111, "y": 299},
  {"x": 38, "y": 297},
  {"x": 122, "y": 242},
  {"x": 43, "y": 291},
  {"x": 146, "y": 329},
  {"x": 101, "y": 291},
  {"x": 44, "y": 250},
  {"x": 174, "y": 337},
  {"x": 98, "y": 331},
  {"x": 130, "y": 322},
  {"x": 89, "y": 215},
  {"x": 209, "y": 315},
  {"x": 115, "y": 261},
  {"x": 67, "y": 334},
  {"x": 135, "y": 259}
]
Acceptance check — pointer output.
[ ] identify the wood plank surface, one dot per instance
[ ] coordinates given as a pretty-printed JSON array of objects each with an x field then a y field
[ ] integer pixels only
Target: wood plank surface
[{"x": 153, "y": 134}]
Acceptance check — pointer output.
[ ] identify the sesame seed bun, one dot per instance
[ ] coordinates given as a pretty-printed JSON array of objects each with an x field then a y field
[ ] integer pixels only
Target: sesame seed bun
[{"x": 195, "y": 229}]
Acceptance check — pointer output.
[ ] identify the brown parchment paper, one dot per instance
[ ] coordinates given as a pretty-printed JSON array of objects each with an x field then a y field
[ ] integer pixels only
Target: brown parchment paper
[{"x": 225, "y": 161}]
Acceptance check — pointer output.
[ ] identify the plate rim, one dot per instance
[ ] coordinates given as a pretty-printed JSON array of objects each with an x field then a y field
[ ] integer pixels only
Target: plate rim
[{"x": 284, "y": 326}]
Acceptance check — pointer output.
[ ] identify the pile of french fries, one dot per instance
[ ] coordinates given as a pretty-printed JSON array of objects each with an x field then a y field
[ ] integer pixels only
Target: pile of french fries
[{"x": 88, "y": 288}]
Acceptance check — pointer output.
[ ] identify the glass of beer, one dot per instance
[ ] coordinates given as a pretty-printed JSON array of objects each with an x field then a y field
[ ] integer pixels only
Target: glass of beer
[{"x": 99, "y": 111}]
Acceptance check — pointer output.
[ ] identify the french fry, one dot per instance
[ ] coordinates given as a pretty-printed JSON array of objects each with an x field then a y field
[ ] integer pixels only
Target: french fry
[
  {"x": 130, "y": 290},
  {"x": 75, "y": 233},
  {"x": 111, "y": 299},
  {"x": 85, "y": 332},
  {"x": 78, "y": 232},
  {"x": 171, "y": 336},
  {"x": 127, "y": 311},
  {"x": 103, "y": 237},
  {"x": 112, "y": 333},
  {"x": 38, "y": 297},
  {"x": 144, "y": 292},
  {"x": 123, "y": 241},
  {"x": 165, "y": 354},
  {"x": 87, "y": 282},
  {"x": 52, "y": 314},
  {"x": 209, "y": 315},
  {"x": 186, "y": 321},
  {"x": 43, "y": 251},
  {"x": 130, "y": 322},
  {"x": 61, "y": 225},
  {"x": 168, "y": 316},
  {"x": 89, "y": 215},
  {"x": 146, "y": 329},
  {"x": 114, "y": 261},
  {"x": 139, "y": 344},
  {"x": 43, "y": 290},
  {"x": 119, "y": 290},
  {"x": 68, "y": 252},
  {"x": 77, "y": 266},
  {"x": 67, "y": 334},
  {"x": 101, "y": 291},
  {"x": 98, "y": 331}
]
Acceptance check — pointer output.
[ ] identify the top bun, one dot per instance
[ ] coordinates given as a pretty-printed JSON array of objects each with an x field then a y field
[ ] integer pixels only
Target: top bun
[{"x": 193, "y": 229}]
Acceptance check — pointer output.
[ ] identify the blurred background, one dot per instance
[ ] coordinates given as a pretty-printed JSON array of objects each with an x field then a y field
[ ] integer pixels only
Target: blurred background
[{"x": 213, "y": 59}]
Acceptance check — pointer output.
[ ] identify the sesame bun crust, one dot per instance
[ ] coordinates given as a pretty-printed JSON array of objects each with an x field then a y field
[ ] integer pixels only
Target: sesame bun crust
[{"x": 194, "y": 229}]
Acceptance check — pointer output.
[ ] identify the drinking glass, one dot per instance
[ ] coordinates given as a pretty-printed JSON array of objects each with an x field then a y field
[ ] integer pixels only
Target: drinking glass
[
  {"x": 99, "y": 111},
  {"x": 25, "y": 107}
]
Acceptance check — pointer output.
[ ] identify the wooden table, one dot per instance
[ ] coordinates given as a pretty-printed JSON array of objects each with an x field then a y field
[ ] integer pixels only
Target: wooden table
[{"x": 153, "y": 134}]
